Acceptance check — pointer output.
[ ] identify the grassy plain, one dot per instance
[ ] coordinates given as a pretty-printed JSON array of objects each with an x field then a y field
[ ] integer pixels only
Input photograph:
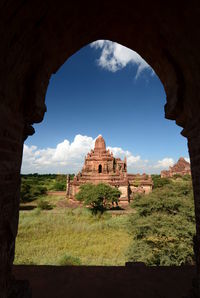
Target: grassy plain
[
  {"x": 53, "y": 236},
  {"x": 157, "y": 230}
]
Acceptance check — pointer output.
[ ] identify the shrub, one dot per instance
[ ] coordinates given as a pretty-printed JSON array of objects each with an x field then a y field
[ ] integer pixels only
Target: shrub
[
  {"x": 163, "y": 225},
  {"x": 99, "y": 197},
  {"x": 67, "y": 260},
  {"x": 30, "y": 190},
  {"x": 44, "y": 205},
  {"x": 187, "y": 177},
  {"x": 177, "y": 176},
  {"x": 60, "y": 183},
  {"x": 159, "y": 182}
]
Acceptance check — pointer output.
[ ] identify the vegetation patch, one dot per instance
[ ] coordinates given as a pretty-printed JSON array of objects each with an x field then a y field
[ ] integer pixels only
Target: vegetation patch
[
  {"x": 157, "y": 230},
  {"x": 163, "y": 225},
  {"x": 69, "y": 260},
  {"x": 45, "y": 237},
  {"x": 99, "y": 197}
]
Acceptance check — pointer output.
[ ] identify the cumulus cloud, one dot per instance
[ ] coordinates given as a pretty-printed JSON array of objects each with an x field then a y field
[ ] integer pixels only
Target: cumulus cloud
[
  {"x": 187, "y": 159},
  {"x": 69, "y": 157},
  {"x": 165, "y": 163},
  {"x": 66, "y": 157},
  {"x": 119, "y": 152},
  {"x": 115, "y": 57}
]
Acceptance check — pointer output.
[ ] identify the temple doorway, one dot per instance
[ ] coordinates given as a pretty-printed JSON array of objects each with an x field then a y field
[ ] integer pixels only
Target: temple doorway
[{"x": 100, "y": 169}]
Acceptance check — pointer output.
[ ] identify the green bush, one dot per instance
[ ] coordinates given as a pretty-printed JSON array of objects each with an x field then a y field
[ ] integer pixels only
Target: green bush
[
  {"x": 30, "y": 190},
  {"x": 60, "y": 183},
  {"x": 44, "y": 205},
  {"x": 59, "y": 186},
  {"x": 99, "y": 197},
  {"x": 163, "y": 226},
  {"x": 159, "y": 182},
  {"x": 187, "y": 177},
  {"x": 67, "y": 260}
]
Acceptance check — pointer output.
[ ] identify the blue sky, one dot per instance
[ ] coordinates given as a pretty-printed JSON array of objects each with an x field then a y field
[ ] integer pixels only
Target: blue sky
[{"x": 104, "y": 89}]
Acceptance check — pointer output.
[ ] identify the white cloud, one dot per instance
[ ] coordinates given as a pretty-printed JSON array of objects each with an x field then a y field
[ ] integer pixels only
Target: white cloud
[
  {"x": 165, "y": 163},
  {"x": 119, "y": 152},
  {"x": 187, "y": 159},
  {"x": 69, "y": 157},
  {"x": 115, "y": 57},
  {"x": 65, "y": 158}
]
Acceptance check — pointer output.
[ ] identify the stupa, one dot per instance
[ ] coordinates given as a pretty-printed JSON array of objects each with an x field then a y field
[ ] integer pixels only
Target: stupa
[
  {"x": 182, "y": 167},
  {"x": 101, "y": 166}
]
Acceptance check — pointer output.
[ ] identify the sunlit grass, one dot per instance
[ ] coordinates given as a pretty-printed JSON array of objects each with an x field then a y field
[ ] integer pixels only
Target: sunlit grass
[{"x": 44, "y": 237}]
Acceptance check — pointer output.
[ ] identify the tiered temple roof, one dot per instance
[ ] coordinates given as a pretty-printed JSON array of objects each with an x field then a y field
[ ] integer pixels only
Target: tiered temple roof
[
  {"x": 182, "y": 167},
  {"x": 101, "y": 166}
]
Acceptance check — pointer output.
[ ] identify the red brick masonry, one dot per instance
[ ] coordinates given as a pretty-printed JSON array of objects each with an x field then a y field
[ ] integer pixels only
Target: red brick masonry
[{"x": 101, "y": 166}]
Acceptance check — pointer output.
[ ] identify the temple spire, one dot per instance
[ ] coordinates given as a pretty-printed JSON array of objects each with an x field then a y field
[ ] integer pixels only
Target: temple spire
[{"x": 100, "y": 144}]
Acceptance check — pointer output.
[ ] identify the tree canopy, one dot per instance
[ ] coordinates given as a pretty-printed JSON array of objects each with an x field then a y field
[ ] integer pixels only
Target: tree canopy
[
  {"x": 163, "y": 225},
  {"x": 99, "y": 197}
]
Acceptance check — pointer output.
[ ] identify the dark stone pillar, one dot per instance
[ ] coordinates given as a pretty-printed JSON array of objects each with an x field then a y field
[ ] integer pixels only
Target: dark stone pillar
[
  {"x": 11, "y": 147},
  {"x": 194, "y": 151}
]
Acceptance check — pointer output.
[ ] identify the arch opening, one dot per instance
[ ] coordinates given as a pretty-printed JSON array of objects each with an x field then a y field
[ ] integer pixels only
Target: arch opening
[{"x": 118, "y": 166}]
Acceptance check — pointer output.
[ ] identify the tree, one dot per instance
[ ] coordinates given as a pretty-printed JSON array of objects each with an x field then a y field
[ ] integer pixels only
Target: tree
[
  {"x": 31, "y": 190},
  {"x": 163, "y": 226},
  {"x": 99, "y": 197}
]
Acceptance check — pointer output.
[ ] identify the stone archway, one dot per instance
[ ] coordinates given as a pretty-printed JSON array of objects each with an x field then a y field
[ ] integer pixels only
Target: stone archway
[{"x": 36, "y": 39}]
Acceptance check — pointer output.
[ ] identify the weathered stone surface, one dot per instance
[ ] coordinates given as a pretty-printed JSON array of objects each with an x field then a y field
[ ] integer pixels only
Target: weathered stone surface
[
  {"x": 101, "y": 167},
  {"x": 20, "y": 289},
  {"x": 182, "y": 167},
  {"x": 133, "y": 280}
]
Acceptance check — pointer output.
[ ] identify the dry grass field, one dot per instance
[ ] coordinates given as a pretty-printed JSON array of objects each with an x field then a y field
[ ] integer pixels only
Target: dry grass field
[{"x": 62, "y": 236}]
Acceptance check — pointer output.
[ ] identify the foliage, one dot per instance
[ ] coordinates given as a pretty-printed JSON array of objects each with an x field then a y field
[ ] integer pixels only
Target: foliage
[
  {"x": 60, "y": 183},
  {"x": 99, "y": 197},
  {"x": 186, "y": 177},
  {"x": 30, "y": 191},
  {"x": 44, "y": 205},
  {"x": 67, "y": 260},
  {"x": 159, "y": 182},
  {"x": 137, "y": 182},
  {"x": 163, "y": 225},
  {"x": 159, "y": 230},
  {"x": 35, "y": 185}
]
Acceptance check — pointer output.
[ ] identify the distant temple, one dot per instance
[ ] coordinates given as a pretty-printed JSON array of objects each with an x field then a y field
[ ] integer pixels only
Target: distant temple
[
  {"x": 101, "y": 167},
  {"x": 182, "y": 167}
]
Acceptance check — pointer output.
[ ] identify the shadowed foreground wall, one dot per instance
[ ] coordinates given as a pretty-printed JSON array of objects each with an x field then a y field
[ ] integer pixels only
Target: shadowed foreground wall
[
  {"x": 106, "y": 282},
  {"x": 37, "y": 37}
]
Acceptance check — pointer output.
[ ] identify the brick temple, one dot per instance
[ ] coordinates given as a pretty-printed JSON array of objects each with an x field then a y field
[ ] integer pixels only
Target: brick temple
[
  {"x": 101, "y": 166},
  {"x": 182, "y": 167}
]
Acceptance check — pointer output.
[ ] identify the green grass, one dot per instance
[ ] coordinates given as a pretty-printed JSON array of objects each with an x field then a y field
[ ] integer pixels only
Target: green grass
[
  {"x": 45, "y": 237},
  {"x": 158, "y": 230}
]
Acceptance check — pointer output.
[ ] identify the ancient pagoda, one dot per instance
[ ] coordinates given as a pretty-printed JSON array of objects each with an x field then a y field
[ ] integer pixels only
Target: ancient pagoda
[
  {"x": 101, "y": 166},
  {"x": 182, "y": 167}
]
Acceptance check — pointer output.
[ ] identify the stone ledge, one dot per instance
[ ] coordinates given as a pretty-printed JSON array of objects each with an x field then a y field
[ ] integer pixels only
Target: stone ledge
[{"x": 99, "y": 281}]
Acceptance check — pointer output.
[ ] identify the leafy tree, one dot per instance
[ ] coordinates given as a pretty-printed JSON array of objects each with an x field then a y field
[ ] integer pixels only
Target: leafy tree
[
  {"x": 99, "y": 197},
  {"x": 30, "y": 190},
  {"x": 159, "y": 182},
  {"x": 163, "y": 226},
  {"x": 25, "y": 191},
  {"x": 60, "y": 183}
]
